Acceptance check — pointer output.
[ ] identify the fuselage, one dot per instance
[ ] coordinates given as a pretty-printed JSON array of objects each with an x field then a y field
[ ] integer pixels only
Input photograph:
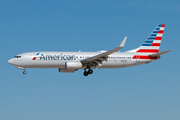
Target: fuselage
[{"x": 59, "y": 59}]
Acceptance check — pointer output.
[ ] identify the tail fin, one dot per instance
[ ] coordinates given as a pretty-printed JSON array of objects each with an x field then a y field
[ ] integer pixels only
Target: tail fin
[{"x": 153, "y": 42}]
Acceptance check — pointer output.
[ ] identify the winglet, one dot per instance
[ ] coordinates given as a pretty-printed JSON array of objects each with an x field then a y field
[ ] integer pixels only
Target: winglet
[{"x": 123, "y": 42}]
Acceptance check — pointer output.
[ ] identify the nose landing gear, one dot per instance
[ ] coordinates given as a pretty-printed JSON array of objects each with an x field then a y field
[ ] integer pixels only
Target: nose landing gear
[
  {"x": 22, "y": 68},
  {"x": 86, "y": 73},
  {"x": 24, "y": 72}
]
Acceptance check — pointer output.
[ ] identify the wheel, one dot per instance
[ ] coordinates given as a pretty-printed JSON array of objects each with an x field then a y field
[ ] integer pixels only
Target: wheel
[
  {"x": 85, "y": 73},
  {"x": 90, "y": 71},
  {"x": 24, "y": 72}
]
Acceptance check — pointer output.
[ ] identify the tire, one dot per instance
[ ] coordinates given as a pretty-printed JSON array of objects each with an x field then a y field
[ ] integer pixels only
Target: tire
[
  {"x": 90, "y": 71},
  {"x": 85, "y": 73},
  {"x": 24, "y": 72}
]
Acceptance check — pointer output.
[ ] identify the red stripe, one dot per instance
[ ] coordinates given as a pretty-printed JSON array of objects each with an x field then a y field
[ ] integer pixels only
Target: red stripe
[
  {"x": 155, "y": 44},
  {"x": 143, "y": 57},
  {"x": 34, "y": 58},
  {"x": 163, "y": 25},
  {"x": 148, "y": 50},
  {"x": 158, "y": 38},
  {"x": 160, "y": 31}
]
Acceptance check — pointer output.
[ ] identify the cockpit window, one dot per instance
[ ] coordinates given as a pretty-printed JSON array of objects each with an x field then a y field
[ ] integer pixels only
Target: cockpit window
[{"x": 17, "y": 57}]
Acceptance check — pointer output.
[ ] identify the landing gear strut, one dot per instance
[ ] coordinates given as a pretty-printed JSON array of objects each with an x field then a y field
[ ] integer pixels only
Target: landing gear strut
[
  {"x": 86, "y": 73},
  {"x": 22, "y": 68}
]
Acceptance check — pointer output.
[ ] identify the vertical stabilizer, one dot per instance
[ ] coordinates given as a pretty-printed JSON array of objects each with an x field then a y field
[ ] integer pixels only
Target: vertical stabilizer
[{"x": 153, "y": 42}]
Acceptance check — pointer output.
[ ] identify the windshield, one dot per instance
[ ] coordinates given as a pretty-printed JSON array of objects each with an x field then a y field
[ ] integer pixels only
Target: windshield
[{"x": 17, "y": 57}]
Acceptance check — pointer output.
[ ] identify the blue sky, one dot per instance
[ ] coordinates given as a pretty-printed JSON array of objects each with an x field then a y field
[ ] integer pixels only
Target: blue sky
[{"x": 148, "y": 91}]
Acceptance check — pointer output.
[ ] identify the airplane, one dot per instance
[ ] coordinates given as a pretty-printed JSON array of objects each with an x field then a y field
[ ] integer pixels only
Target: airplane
[{"x": 69, "y": 62}]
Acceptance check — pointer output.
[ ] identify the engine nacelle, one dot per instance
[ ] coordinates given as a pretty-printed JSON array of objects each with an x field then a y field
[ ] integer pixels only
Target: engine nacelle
[{"x": 73, "y": 65}]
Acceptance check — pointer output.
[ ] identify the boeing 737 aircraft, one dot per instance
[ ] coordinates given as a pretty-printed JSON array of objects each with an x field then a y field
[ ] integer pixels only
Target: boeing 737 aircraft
[{"x": 70, "y": 62}]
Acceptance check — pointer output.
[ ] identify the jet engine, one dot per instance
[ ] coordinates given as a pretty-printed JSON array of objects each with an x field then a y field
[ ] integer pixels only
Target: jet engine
[{"x": 71, "y": 67}]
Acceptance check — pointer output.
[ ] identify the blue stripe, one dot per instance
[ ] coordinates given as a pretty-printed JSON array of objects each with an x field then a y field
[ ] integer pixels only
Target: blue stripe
[
  {"x": 146, "y": 44},
  {"x": 155, "y": 31},
  {"x": 157, "y": 28},
  {"x": 150, "y": 38},
  {"x": 159, "y": 25},
  {"x": 153, "y": 34}
]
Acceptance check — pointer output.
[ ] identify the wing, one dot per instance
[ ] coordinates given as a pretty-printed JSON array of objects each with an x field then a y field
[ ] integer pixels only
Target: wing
[{"x": 93, "y": 61}]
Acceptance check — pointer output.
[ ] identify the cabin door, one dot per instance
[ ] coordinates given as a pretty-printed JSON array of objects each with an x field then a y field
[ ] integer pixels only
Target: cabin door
[{"x": 137, "y": 59}]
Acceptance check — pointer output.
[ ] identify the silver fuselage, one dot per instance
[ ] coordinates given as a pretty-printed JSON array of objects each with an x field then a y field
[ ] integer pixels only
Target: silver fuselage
[{"x": 58, "y": 59}]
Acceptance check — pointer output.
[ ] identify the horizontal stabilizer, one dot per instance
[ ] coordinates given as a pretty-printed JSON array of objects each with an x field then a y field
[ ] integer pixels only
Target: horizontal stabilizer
[{"x": 158, "y": 54}]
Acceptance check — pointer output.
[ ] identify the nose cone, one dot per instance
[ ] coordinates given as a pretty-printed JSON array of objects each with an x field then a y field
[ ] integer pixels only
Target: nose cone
[{"x": 11, "y": 61}]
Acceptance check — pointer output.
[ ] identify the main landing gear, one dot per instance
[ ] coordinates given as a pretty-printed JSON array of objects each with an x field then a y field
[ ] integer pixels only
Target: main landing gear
[{"x": 86, "y": 73}]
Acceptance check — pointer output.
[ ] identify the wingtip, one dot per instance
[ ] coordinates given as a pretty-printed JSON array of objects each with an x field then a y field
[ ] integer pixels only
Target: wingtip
[{"x": 123, "y": 42}]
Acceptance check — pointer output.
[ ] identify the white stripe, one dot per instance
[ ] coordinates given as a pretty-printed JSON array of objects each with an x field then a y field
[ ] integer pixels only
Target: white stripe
[
  {"x": 148, "y": 47},
  {"x": 157, "y": 41},
  {"x": 144, "y": 53},
  {"x": 159, "y": 35},
  {"x": 162, "y": 28}
]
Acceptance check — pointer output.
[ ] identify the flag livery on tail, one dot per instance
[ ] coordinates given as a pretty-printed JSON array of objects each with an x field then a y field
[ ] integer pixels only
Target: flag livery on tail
[
  {"x": 153, "y": 42},
  {"x": 151, "y": 45}
]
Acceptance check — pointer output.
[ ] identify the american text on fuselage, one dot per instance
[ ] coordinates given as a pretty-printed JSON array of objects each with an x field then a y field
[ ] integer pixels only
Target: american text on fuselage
[{"x": 57, "y": 57}]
